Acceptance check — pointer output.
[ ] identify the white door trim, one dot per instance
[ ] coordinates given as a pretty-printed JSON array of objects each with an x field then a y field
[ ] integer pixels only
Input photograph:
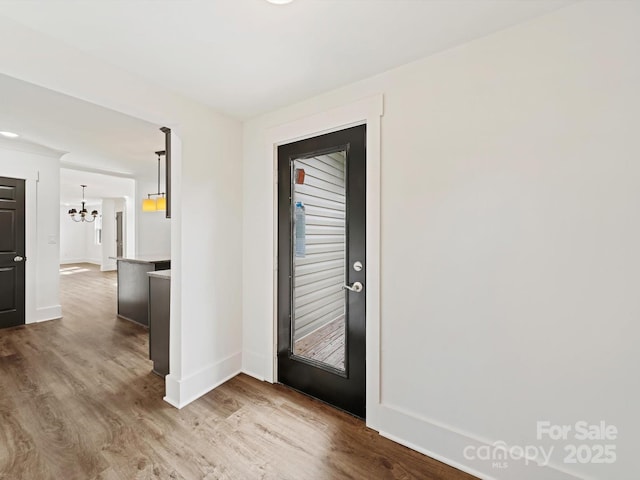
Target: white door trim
[{"x": 366, "y": 111}]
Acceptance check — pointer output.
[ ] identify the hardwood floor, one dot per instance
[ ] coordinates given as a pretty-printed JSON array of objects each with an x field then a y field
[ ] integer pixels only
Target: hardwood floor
[
  {"x": 325, "y": 344},
  {"x": 78, "y": 401}
]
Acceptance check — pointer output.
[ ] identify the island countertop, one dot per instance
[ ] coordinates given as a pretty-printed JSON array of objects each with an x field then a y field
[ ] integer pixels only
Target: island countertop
[
  {"x": 166, "y": 274},
  {"x": 158, "y": 258}
]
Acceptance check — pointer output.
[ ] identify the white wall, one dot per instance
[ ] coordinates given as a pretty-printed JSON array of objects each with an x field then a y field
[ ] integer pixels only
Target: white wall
[
  {"x": 154, "y": 229},
  {"x": 210, "y": 235},
  {"x": 92, "y": 251},
  {"x": 100, "y": 186},
  {"x": 509, "y": 239},
  {"x": 108, "y": 261},
  {"x": 77, "y": 239},
  {"x": 72, "y": 239},
  {"x": 40, "y": 168}
]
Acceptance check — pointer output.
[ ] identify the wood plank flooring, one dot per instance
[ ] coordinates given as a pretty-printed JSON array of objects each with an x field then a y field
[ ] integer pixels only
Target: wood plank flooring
[
  {"x": 78, "y": 401},
  {"x": 325, "y": 344}
]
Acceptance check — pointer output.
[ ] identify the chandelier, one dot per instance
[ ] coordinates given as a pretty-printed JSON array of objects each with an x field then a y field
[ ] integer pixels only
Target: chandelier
[
  {"x": 83, "y": 215},
  {"x": 156, "y": 204}
]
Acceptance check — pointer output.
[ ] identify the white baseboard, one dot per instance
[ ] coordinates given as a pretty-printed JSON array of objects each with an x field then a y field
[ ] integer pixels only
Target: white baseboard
[
  {"x": 80, "y": 260},
  {"x": 253, "y": 374},
  {"x": 52, "y": 312},
  {"x": 440, "y": 442},
  {"x": 448, "y": 446},
  {"x": 253, "y": 364},
  {"x": 69, "y": 261},
  {"x": 181, "y": 392}
]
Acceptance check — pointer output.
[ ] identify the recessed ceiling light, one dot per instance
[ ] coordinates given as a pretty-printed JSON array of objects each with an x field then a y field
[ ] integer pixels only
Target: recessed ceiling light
[
  {"x": 9, "y": 134},
  {"x": 279, "y": 2}
]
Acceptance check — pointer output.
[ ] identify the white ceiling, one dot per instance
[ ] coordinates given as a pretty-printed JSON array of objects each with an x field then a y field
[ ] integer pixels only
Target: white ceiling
[
  {"x": 242, "y": 57},
  {"x": 95, "y": 137},
  {"x": 245, "y": 57},
  {"x": 97, "y": 140},
  {"x": 98, "y": 187}
]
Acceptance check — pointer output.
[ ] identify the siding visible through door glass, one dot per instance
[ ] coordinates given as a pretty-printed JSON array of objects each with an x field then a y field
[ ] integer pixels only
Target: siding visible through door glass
[{"x": 319, "y": 275}]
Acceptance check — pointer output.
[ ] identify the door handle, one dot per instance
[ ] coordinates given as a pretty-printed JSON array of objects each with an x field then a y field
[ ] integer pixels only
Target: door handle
[
  {"x": 356, "y": 287},
  {"x": 18, "y": 258}
]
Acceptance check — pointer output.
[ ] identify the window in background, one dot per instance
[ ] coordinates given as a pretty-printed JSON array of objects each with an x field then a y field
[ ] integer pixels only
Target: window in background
[{"x": 98, "y": 230}]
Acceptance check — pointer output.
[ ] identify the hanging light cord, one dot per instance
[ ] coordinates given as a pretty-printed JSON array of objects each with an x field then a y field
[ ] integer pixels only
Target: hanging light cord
[
  {"x": 159, "y": 159},
  {"x": 83, "y": 211}
]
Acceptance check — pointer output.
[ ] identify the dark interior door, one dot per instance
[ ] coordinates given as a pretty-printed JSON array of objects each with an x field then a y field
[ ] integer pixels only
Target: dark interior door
[
  {"x": 12, "y": 252},
  {"x": 321, "y": 267}
]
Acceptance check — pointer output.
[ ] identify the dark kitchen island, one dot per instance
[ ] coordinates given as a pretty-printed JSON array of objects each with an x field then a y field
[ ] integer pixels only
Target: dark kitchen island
[
  {"x": 133, "y": 285},
  {"x": 159, "y": 320}
]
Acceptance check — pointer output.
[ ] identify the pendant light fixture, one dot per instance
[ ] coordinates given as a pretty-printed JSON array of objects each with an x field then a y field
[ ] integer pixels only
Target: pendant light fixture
[
  {"x": 158, "y": 204},
  {"x": 83, "y": 214}
]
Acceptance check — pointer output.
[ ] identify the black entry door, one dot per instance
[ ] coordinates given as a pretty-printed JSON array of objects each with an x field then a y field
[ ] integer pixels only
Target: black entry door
[
  {"x": 321, "y": 267},
  {"x": 12, "y": 250}
]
